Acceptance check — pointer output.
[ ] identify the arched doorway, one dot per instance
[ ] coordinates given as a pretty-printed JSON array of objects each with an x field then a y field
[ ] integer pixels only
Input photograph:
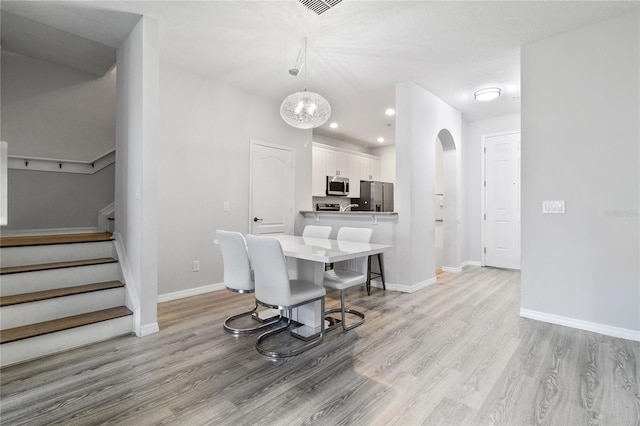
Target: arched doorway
[{"x": 446, "y": 203}]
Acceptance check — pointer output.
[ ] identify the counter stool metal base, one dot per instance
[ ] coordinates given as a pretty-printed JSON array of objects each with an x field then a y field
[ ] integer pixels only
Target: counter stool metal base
[
  {"x": 375, "y": 274},
  {"x": 284, "y": 354},
  {"x": 263, "y": 323},
  {"x": 343, "y": 310}
]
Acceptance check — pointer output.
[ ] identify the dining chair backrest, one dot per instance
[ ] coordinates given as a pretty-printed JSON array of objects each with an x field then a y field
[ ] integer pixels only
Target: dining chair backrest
[
  {"x": 361, "y": 235},
  {"x": 237, "y": 268},
  {"x": 270, "y": 270},
  {"x": 315, "y": 231}
]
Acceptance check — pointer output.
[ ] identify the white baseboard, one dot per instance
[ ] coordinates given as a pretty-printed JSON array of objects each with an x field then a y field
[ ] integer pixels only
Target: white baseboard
[
  {"x": 190, "y": 292},
  {"x": 452, "y": 269},
  {"x": 148, "y": 329},
  {"x": 50, "y": 231},
  {"x": 607, "y": 330},
  {"x": 471, "y": 263},
  {"x": 403, "y": 288}
]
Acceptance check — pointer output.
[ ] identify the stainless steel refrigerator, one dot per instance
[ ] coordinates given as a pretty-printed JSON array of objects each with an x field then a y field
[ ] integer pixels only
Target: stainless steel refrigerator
[{"x": 374, "y": 197}]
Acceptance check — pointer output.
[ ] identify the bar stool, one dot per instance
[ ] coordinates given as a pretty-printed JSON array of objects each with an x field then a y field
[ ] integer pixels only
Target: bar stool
[
  {"x": 371, "y": 274},
  {"x": 238, "y": 279}
]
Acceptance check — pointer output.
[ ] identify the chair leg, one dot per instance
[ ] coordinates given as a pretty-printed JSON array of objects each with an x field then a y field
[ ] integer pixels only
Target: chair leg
[
  {"x": 381, "y": 265},
  {"x": 343, "y": 311},
  {"x": 241, "y": 331},
  {"x": 368, "y": 275},
  {"x": 293, "y": 352}
]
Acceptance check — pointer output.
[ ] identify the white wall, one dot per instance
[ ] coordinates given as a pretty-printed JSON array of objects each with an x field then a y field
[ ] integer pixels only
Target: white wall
[
  {"x": 52, "y": 111},
  {"x": 472, "y": 159},
  {"x": 580, "y": 143},
  {"x": 420, "y": 117},
  {"x": 50, "y": 200},
  {"x": 206, "y": 127},
  {"x": 136, "y": 166}
]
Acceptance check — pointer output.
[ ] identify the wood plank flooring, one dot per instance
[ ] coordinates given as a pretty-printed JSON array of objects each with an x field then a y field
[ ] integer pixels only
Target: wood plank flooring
[{"x": 454, "y": 353}]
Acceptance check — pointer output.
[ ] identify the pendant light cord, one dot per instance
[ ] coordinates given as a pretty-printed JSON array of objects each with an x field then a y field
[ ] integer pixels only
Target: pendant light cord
[{"x": 306, "y": 65}]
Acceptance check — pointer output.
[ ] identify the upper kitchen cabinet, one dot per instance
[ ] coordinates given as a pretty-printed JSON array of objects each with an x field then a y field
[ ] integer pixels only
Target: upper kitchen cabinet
[
  {"x": 326, "y": 162},
  {"x": 337, "y": 163},
  {"x": 369, "y": 168},
  {"x": 330, "y": 161},
  {"x": 355, "y": 165}
]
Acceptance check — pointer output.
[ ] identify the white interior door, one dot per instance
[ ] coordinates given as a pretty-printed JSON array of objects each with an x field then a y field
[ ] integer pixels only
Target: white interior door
[
  {"x": 272, "y": 189},
  {"x": 502, "y": 201}
]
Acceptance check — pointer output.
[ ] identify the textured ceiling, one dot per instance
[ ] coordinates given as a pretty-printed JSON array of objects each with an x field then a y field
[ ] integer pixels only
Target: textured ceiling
[{"x": 358, "y": 50}]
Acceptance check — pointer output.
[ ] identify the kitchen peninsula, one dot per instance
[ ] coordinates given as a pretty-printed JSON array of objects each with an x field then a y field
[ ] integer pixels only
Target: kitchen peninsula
[{"x": 384, "y": 232}]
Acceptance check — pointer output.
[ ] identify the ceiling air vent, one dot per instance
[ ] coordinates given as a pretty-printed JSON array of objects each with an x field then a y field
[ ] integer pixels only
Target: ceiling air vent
[{"x": 319, "y": 6}]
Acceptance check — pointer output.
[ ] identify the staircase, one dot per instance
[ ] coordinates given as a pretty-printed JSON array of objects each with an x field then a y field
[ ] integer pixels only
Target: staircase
[{"x": 59, "y": 292}]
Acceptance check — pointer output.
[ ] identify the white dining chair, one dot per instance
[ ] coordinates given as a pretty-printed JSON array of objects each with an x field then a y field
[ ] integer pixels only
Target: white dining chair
[
  {"x": 238, "y": 279},
  {"x": 349, "y": 273},
  {"x": 275, "y": 290},
  {"x": 316, "y": 231}
]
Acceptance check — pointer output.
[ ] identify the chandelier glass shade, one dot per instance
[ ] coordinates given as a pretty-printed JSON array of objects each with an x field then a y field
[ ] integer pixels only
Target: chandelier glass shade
[{"x": 305, "y": 110}]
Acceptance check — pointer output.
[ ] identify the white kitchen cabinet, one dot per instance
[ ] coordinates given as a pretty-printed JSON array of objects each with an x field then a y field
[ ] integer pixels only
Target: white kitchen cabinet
[
  {"x": 318, "y": 172},
  {"x": 330, "y": 161},
  {"x": 369, "y": 168},
  {"x": 337, "y": 163},
  {"x": 354, "y": 164}
]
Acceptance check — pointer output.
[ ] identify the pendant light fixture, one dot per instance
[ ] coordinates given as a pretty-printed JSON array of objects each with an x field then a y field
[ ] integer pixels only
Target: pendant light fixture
[{"x": 304, "y": 110}]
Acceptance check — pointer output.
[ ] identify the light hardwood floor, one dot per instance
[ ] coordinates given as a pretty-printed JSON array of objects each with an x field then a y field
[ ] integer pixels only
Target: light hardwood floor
[{"x": 454, "y": 353}]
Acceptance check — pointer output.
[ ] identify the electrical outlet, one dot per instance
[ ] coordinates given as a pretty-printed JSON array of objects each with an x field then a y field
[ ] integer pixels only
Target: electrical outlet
[
  {"x": 225, "y": 206},
  {"x": 196, "y": 266},
  {"x": 556, "y": 207}
]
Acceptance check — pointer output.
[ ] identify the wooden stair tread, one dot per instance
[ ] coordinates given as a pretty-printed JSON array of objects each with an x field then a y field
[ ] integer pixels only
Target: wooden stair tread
[
  {"x": 58, "y": 292},
  {"x": 33, "y": 330},
  {"x": 55, "y": 265},
  {"x": 38, "y": 240}
]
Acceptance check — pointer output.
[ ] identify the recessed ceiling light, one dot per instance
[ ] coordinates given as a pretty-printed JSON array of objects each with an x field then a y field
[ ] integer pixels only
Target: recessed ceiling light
[
  {"x": 390, "y": 111},
  {"x": 380, "y": 140},
  {"x": 333, "y": 125},
  {"x": 487, "y": 94}
]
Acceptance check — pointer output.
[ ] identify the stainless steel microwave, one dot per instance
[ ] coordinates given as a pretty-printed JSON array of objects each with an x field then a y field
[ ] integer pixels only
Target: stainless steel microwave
[{"x": 337, "y": 185}]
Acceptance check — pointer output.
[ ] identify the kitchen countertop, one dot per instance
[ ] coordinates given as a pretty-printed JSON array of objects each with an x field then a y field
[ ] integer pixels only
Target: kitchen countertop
[{"x": 350, "y": 213}]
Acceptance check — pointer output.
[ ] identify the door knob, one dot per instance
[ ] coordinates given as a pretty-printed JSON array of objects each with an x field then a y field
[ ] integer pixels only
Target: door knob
[{"x": 255, "y": 219}]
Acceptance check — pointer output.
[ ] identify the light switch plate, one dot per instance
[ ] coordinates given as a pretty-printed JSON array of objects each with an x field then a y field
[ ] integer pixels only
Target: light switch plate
[{"x": 553, "y": 207}]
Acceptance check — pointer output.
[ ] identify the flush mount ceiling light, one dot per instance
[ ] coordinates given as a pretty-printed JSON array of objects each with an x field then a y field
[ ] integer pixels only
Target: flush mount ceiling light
[
  {"x": 390, "y": 111},
  {"x": 488, "y": 94},
  {"x": 380, "y": 140},
  {"x": 304, "y": 110},
  {"x": 333, "y": 125}
]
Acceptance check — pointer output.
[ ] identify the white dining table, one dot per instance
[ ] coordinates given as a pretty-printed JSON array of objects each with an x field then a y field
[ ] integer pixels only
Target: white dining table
[{"x": 306, "y": 258}]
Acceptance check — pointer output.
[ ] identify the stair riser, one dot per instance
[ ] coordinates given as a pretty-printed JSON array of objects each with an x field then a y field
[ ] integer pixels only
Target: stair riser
[
  {"x": 31, "y": 255},
  {"x": 28, "y": 282},
  {"x": 35, "y": 347},
  {"x": 60, "y": 307}
]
